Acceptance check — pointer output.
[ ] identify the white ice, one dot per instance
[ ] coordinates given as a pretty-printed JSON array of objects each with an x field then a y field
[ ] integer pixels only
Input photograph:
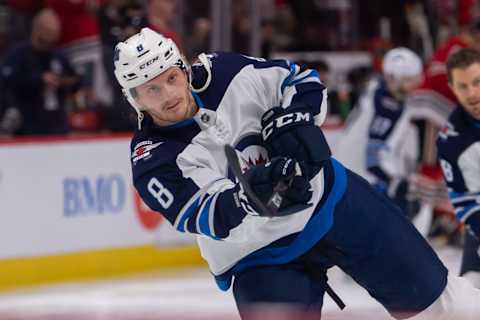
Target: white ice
[{"x": 185, "y": 295}]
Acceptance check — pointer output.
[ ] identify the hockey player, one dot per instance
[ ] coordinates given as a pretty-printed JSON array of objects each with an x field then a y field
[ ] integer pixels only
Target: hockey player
[
  {"x": 458, "y": 151},
  {"x": 266, "y": 109},
  {"x": 380, "y": 133},
  {"x": 432, "y": 102},
  {"x": 391, "y": 149}
]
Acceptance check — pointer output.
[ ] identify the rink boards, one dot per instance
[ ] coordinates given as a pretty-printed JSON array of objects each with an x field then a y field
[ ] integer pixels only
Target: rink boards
[{"x": 68, "y": 211}]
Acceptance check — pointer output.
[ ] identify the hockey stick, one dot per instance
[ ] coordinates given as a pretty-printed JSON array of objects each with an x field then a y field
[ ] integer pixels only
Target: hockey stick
[
  {"x": 423, "y": 220},
  {"x": 272, "y": 208}
]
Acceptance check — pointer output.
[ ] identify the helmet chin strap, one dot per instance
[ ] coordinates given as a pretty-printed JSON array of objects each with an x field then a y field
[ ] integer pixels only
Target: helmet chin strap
[
  {"x": 140, "y": 117},
  {"x": 136, "y": 106}
]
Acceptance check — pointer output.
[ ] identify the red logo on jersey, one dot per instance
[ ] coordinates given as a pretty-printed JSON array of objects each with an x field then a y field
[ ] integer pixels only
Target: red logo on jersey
[{"x": 140, "y": 151}]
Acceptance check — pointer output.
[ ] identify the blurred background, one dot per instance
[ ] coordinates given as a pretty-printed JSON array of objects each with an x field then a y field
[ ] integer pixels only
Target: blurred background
[
  {"x": 344, "y": 39},
  {"x": 68, "y": 211}
]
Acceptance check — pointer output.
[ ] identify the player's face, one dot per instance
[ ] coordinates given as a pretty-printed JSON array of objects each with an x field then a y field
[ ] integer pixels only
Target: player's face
[
  {"x": 401, "y": 88},
  {"x": 466, "y": 86},
  {"x": 409, "y": 84},
  {"x": 167, "y": 97}
]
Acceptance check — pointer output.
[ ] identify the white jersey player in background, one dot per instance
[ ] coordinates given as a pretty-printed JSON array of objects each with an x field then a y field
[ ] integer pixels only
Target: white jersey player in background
[
  {"x": 392, "y": 147},
  {"x": 381, "y": 111},
  {"x": 381, "y": 135}
]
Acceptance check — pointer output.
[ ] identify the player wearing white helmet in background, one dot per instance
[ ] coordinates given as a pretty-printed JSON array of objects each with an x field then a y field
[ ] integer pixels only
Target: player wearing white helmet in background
[
  {"x": 402, "y": 70},
  {"x": 266, "y": 109},
  {"x": 379, "y": 128},
  {"x": 391, "y": 151}
]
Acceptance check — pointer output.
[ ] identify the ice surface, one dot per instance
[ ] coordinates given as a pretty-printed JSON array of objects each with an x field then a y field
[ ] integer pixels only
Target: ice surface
[{"x": 185, "y": 295}]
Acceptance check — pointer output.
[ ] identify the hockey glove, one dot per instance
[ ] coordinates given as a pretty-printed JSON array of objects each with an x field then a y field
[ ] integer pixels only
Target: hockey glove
[
  {"x": 263, "y": 178},
  {"x": 292, "y": 133}
]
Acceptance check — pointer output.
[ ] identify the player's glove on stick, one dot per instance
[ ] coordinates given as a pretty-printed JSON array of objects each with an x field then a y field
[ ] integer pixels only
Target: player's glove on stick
[
  {"x": 280, "y": 175},
  {"x": 277, "y": 188},
  {"x": 292, "y": 133}
]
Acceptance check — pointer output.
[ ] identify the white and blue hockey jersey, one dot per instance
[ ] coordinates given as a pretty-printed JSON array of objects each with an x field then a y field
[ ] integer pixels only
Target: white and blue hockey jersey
[
  {"x": 391, "y": 149},
  {"x": 458, "y": 146},
  {"x": 181, "y": 170},
  {"x": 379, "y": 141}
]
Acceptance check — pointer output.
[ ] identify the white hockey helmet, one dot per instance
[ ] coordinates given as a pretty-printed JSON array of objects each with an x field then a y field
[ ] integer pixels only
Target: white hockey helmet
[
  {"x": 141, "y": 58},
  {"x": 402, "y": 62}
]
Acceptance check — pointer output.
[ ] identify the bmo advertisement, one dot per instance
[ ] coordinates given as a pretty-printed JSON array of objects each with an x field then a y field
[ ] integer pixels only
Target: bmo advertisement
[{"x": 69, "y": 195}]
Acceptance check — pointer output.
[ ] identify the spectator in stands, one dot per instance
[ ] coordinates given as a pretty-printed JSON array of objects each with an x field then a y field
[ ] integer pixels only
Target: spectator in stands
[
  {"x": 37, "y": 79},
  {"x": 160, "y": 14},
  {"x": 19, "y": 18},
  {"x": 241, "y": 26},
  {"x": 118, "y": 20},
  {"x": 338, "y": 96},
  {"x": 80, "y": 41},
  {"x": 198, "y": 39}
]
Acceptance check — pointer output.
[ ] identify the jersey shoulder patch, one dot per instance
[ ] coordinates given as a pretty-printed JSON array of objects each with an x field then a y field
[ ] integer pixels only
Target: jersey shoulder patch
[
  {"x": 148, "y": 153},
  {"x": 143, "y": 150},
  {"x": 455, "y": 137},
  {"x": 456, "y": 125},
  {"x": 448, "y": 131}
]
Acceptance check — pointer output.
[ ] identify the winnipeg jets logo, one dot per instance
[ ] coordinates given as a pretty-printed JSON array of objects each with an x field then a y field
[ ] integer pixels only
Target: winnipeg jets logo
[
  {"x": 253, "y": 155},
  {"x": 252, "y": 149}
]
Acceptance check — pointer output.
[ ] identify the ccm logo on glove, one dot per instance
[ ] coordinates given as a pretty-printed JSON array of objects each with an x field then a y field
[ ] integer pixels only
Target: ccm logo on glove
[{"x": 284, "y": 121}]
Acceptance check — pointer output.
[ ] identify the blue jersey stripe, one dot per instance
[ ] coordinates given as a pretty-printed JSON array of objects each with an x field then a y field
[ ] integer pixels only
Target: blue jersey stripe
[
  {"x": 313, "y": 73},
  {"x": 204, "y": 218},
  {"x": 188, "y": 214},
  {"x": 289, "y": 78},
  {"x": 464, "y": 213}
]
